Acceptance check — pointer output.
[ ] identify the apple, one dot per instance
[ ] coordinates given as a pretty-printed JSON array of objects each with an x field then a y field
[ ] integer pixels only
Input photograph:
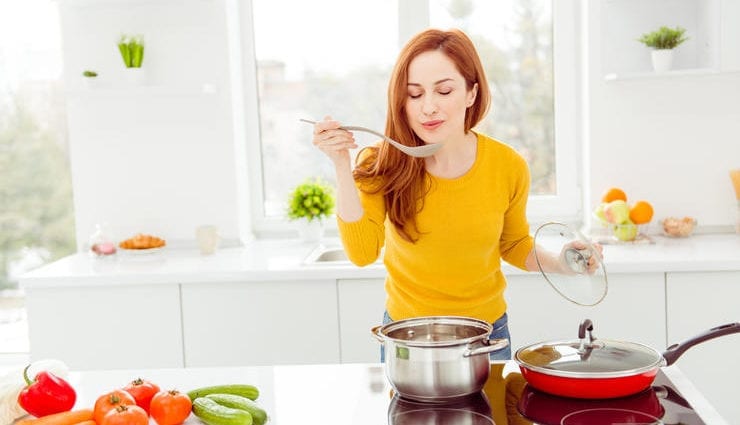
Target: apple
[
  {"x": 617, "y": 212},
  {"x": 599, "y": 213},
  {"x": 626, "y": 231}
]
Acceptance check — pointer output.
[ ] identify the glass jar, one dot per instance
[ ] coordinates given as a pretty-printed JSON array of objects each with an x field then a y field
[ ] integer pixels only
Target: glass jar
[{"x": 100, "y": 243}]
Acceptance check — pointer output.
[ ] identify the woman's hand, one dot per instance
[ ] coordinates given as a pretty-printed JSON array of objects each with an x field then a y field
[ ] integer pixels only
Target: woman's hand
[
  {"x": 333, "y": 141},
  {"x": 575, "y": 257}
]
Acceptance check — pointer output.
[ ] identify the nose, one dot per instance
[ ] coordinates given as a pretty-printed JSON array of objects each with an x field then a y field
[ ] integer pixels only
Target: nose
[{"x": 429, "y": 107}]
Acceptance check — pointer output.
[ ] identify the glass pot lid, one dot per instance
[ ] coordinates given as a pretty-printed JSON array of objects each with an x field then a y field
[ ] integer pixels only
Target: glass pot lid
[
  {"x": 589, "y": 357},
  {"x": 579, "y": 275}
]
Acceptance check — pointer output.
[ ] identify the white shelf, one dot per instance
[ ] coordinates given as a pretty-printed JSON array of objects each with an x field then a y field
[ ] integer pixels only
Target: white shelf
[
  {"x": 205, "y": 89},
  {"x": 662, "y": 75},
  {"x": 622, "y": 22}
]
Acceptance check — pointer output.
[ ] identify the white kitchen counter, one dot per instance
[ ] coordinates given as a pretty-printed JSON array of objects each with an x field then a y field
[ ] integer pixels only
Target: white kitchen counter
[{"x": 277, "y": 260}]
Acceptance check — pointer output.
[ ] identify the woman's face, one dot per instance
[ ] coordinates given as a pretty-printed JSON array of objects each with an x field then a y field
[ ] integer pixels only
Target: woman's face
[{"x": 437, "y": 98}]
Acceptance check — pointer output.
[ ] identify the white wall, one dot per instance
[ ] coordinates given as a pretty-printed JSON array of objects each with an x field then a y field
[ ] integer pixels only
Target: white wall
[
  {"x": 162, "y": 158},
  {"x": 156, "y": 157},
  {"x": 671, "y": 140}
]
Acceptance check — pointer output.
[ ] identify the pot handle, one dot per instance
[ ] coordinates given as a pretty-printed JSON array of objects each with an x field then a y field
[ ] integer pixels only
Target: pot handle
[
  {"x": 376, "y": 333},
  {"x": 489, "y": 346},
  {"x": 676, "y": 350}
]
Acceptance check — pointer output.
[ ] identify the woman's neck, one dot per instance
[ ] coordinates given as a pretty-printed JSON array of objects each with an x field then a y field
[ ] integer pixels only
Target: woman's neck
[{"x": 455, "y": 158}]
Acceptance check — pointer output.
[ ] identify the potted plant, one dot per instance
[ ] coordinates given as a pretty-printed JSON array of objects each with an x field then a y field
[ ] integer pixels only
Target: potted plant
[
  {"x": 663, "y": 41},
  {"x": 310, "y": 202},
  {"x": 89, "y": 77},
  {"x": 132, "y": 53}
]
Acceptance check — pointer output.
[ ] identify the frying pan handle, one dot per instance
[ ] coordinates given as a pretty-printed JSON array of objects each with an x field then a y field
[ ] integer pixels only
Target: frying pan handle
[{"x": 676, "y": 350}]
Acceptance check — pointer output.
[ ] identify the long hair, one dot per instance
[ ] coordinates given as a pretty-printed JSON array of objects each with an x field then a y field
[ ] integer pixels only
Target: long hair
[{"x": 401, "y": 177}]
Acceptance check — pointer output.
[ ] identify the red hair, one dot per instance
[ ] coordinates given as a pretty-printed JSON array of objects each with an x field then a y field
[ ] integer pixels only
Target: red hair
[{"x": 402, "y": 176}]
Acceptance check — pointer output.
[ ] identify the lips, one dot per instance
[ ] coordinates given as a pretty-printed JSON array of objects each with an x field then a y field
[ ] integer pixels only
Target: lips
[{"x": 431, "y": 125}]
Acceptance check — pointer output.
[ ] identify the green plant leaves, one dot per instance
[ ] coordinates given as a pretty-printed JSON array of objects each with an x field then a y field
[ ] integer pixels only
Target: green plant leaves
[
  {"x": 132, "y": 50},
  {"x": 664, "y": 38},
  {"x": 312, "y": 199}
]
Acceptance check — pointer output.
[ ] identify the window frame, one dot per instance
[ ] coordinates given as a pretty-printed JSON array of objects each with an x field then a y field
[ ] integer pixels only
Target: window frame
[{"x": 565, "y": 205}]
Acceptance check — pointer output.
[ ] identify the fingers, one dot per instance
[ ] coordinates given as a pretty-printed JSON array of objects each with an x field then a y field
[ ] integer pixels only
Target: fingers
[{"x": 329, "y": 137}]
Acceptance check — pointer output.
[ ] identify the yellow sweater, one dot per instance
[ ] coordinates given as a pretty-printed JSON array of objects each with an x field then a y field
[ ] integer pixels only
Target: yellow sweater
[{"x": 468, "y": 224}]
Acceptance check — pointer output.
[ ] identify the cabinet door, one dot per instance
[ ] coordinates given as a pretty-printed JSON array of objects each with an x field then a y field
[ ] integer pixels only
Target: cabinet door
[
  {"x": 260, "y": 323},
  {"x": 361, "y": 307},
  {"x": 696, "y": 302},
  {"x": 633, "y": 310},
  {"x": 111, "y": 327}
]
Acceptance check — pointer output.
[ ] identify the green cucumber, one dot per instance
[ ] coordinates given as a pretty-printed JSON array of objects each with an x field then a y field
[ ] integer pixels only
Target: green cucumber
[
  {"x": 259, "y": 416},
  {"x": 213, "y": 413},
  {"x": 249, "y": 391}
]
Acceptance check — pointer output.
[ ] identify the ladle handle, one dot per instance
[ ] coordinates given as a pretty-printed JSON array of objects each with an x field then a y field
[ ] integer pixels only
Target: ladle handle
[{"x": 675, "y": 351}]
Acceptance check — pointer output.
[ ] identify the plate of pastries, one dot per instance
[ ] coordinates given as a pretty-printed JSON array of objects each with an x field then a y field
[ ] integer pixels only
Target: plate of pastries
[{"x": 142, "y": 242}]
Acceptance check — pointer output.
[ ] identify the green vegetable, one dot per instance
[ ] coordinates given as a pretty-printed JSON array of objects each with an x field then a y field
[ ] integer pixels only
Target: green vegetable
[
  {"x": 213, "y": 413},
  {"x": 259, "y": 416},
  {"x": 245, "y": 390},
  {"x": 88, "y": 73}
]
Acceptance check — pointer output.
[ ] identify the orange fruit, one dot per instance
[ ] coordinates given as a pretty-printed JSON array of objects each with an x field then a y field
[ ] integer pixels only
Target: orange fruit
[
  {"x": 613, "y": 194},
  {"x": 641, "y": 212}
]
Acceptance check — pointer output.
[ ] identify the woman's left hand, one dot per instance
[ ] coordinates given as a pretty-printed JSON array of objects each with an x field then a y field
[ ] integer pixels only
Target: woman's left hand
[{"x": 574, "y": 253}]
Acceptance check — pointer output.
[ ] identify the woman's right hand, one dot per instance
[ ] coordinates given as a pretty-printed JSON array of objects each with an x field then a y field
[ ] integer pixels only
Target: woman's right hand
[{"x": 333, "y": 141}]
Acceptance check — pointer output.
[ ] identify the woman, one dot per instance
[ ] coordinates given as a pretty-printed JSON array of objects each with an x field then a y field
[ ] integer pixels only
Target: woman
[{"x": 446, "y": 220}]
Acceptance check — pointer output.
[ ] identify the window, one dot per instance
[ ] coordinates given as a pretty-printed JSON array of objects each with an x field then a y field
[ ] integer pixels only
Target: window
[
  {"x": 337, "y": 57},
  {"x": 36, "y": 215}
]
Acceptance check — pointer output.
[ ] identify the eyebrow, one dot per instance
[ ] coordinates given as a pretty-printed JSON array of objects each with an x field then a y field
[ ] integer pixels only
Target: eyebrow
[{"x": 435, "y": 83}]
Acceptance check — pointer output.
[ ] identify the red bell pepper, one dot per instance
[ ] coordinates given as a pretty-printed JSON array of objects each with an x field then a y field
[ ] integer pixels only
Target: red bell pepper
[{"x": 46, "y": 394}]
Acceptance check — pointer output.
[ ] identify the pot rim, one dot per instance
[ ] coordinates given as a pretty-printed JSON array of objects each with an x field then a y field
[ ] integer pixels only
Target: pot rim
[
  {"x": 486, "y": 329},
  {"x": 659, "y": 362}
]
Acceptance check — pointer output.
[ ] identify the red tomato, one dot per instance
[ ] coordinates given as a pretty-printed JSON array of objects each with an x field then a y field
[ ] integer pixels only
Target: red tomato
[
  {"x": 110, "y": 401},
  {"x": 143, "y": 391},
  {"x": 170, "y": 407},
  {"x": 126, "y": 415}
]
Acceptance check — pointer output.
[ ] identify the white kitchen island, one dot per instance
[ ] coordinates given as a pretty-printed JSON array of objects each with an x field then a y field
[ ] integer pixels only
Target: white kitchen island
[{"x": 261, "y": 305}]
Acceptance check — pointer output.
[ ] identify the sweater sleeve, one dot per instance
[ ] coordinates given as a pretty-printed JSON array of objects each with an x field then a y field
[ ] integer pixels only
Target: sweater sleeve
[
  {"x": 364, "y": 238},
  {"x": 516, "y": 242}
]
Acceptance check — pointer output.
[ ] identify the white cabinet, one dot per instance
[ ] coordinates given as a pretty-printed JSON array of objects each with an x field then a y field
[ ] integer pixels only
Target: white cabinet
[
  {"x": 633, "y": 310},
  {"x": 697, "y": 302},
  {"x": 106, "y": 327},
  {"x": 260, "y": 323},
  {"x": 361, "y": 307}
]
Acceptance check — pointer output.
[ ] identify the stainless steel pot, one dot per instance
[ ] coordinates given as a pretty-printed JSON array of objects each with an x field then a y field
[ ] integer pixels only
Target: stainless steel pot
[{"x": 437, "y": 358}]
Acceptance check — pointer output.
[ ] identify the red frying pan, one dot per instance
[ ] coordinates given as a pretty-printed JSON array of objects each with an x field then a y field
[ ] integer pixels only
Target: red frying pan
[{"x": 601, "y": 368}]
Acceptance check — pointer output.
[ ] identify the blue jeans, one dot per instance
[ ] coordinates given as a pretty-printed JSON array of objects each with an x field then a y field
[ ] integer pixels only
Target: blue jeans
[{"x": 500, "y": 331}]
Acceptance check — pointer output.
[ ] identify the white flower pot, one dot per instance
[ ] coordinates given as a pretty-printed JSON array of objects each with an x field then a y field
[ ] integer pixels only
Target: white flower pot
[
  {"x": 136, "y": 76},
  {"x": 662, "y": 60},
  {"x": 311, "y": 231}
]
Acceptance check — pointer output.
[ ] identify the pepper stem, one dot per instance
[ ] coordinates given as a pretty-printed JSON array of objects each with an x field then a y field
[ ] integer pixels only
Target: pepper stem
[{"x": 25, "y": 375}]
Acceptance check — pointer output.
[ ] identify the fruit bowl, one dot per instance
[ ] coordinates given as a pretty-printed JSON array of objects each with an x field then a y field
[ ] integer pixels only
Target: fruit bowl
[
  {"x": 625, "y": 232},
  {"x": 678, "y": 227},
  {"x": 628, "y": 232}
]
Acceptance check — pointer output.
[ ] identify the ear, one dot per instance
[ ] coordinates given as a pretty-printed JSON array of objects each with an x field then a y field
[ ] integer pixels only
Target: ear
[{"x": 472, "y": 94}]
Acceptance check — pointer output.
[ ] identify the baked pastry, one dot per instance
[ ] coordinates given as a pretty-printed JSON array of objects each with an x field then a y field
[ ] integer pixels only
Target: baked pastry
[{"x": 142, "y": 241}]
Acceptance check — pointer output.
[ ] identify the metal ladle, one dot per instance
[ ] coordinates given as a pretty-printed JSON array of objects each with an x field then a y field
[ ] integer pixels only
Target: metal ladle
[{"x": 415, "y": 151}]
